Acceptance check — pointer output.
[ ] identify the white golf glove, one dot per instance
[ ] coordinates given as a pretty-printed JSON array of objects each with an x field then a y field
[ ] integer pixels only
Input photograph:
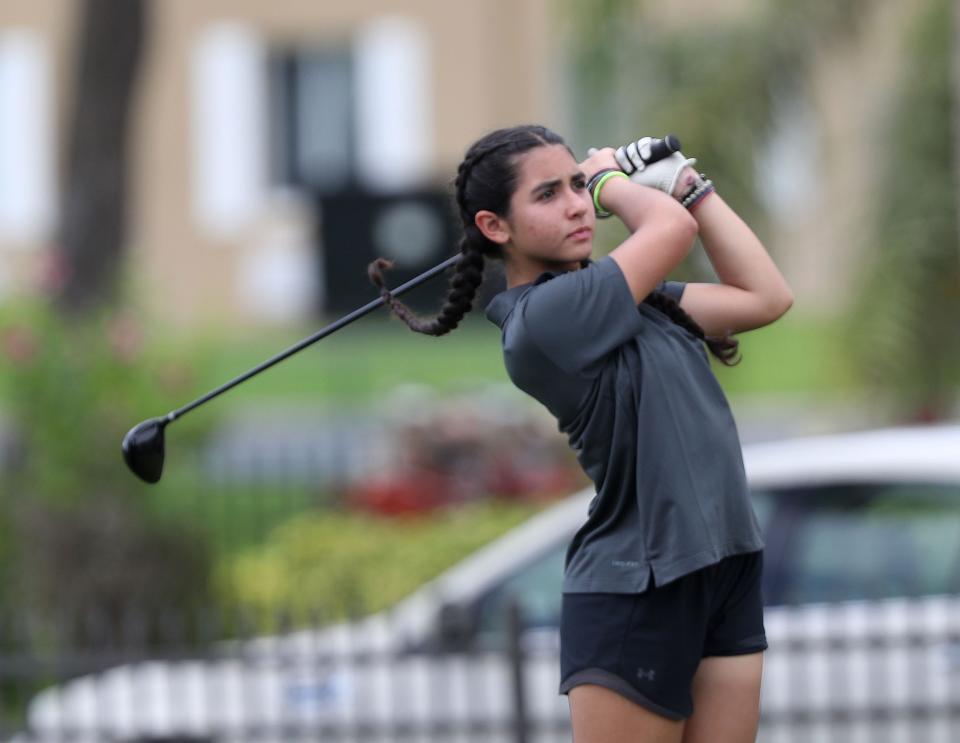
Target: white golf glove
[{"x": 634, "y": 160}]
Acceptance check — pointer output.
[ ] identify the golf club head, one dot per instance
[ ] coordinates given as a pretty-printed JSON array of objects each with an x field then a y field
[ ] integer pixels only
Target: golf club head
[{"x": 143, "y": 449}]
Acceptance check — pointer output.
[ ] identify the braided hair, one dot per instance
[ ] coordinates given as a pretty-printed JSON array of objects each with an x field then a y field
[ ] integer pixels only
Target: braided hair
[
  {"x": 486, "y": 180},
  {"x": 725, "y": 348}
]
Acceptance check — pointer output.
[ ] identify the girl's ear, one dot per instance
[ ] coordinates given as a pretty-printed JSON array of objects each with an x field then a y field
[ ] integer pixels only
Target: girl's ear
[{"x": 493, "y": 227}]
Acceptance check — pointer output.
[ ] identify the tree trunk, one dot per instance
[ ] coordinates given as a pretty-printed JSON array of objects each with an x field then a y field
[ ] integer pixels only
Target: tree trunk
[
  {"x": 955, "y": 78},
  {"x": 92, "y": 228}
]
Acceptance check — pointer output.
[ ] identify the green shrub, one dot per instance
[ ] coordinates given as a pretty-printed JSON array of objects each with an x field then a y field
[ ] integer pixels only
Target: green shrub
[
  {"x": 79, "y": 537},
  {"x": 340, "y": 564}
]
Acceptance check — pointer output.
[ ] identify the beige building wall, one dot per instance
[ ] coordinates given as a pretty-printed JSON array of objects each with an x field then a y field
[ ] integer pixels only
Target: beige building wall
[{"x": 489, "y": 65}]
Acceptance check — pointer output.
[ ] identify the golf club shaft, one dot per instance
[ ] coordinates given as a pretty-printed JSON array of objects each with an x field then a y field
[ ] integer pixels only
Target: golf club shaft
[{"x": 320, "y": 334}]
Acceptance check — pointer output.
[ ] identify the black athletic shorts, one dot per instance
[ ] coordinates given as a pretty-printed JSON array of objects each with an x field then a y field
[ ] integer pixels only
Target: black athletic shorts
[{"x": 647, "y": 646}]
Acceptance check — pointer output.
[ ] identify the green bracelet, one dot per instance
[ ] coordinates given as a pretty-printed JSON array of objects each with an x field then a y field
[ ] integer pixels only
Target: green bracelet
[{"x": 601, "y": 212}]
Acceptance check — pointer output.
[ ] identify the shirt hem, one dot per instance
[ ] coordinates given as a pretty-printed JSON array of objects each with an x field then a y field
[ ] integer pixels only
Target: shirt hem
[{"x": 651, "y": 573}]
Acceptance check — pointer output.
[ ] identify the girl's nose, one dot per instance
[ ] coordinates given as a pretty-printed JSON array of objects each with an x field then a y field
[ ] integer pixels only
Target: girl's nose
[{"x": 577, "y": 202}]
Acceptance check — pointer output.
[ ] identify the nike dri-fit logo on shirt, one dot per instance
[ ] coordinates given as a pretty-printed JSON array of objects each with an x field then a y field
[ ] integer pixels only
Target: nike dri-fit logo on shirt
[{"x": 625, "y": 564}]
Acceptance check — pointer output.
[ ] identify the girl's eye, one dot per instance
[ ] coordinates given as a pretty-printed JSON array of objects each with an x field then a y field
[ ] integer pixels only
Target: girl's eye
[
  {"x": 579, "y": 184},
  {"x": 546, "y": 194}
]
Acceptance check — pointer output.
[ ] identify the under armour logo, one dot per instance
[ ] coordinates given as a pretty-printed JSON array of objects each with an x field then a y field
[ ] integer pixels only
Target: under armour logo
[{"x": 648, "y": 674}]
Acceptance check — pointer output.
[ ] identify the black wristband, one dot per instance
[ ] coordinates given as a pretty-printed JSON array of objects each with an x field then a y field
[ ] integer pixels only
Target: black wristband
[
  {"x": 592, "y": 183},
  {"x": 592, "y": 186}
]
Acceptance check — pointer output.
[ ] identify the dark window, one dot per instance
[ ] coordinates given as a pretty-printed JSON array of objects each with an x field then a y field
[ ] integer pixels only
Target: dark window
[{"x": 312, "y": 118}]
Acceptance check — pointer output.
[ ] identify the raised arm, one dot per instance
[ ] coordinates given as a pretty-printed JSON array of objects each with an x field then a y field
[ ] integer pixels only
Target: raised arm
[
  {"x": 752, "y": 292},
  {"x": 661, "y": 230}
]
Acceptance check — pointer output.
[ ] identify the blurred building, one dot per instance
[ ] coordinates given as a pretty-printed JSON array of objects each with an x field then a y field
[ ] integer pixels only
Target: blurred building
[
  {"x": 278, "y": 146},
  {"x": 253, "y": 121}
]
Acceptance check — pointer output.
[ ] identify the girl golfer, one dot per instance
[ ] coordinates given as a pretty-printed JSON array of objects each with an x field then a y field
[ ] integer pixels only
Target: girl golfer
[{"x": 662, "y": 628}]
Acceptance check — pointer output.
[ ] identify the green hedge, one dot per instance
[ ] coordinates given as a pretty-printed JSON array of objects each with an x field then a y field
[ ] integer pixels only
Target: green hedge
[{"x": 323, "y": 566}]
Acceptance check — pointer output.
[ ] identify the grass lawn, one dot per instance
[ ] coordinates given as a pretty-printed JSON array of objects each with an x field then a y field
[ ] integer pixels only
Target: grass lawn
[
  {"x": 370, "y": 358},
  {"x": 376, "y": 354},
  {"x": 793, "y": 356}
]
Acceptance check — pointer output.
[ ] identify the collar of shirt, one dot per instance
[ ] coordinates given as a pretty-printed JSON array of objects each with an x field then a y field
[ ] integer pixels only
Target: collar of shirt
[{"x": 502, "y": 305}]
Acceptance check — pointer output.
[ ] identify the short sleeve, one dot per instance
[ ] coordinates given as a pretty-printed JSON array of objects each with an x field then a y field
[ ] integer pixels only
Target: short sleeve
[
  {"x": 579, "y": 317},
  {"x": 673, "y": 289}
]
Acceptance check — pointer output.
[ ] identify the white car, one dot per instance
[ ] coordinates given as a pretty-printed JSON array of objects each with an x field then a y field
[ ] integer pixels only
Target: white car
[{"x": 862, "y": 587}]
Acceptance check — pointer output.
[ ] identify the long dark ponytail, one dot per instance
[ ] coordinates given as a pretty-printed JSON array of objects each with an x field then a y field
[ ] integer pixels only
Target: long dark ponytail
[
  {"x": 485, "y": 180},
  {"x": 725, "y": 348}
]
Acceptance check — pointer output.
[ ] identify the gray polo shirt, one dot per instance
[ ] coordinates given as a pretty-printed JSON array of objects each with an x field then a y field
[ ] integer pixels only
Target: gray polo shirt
[{"x": 635, "y": 394}]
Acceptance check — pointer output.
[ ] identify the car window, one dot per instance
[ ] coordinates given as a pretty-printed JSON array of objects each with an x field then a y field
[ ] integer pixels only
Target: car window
[
  {"x": 856, "y": 542},
  {"x": 537, "y": 586},
  {"x": 763, "y": 504}
]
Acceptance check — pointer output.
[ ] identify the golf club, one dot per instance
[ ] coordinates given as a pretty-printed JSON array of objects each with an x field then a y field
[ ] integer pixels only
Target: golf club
[{"x": 143, "y": 446}]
